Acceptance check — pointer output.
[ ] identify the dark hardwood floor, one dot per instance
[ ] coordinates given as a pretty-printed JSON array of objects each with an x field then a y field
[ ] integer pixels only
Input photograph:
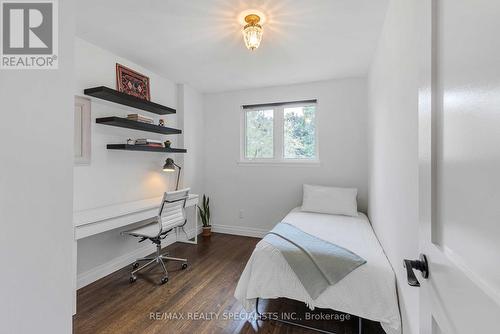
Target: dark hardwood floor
[{"x": 192, "y": 299}]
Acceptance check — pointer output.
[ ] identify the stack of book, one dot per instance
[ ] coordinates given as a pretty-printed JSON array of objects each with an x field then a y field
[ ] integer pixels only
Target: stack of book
[
  {"x": 140, "y": 118},
  {"x": 149, "y": 142}
]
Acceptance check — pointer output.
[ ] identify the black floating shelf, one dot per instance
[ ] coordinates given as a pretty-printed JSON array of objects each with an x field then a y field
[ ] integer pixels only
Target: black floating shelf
[
  {"x": 129, "y": 124},
  {"x": 112, "y": 95},
  {"x": 145, "y": 148}
]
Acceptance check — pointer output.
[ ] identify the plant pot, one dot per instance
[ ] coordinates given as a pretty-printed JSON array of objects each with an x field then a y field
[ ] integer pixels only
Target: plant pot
[{"x": 207, "y": 231}]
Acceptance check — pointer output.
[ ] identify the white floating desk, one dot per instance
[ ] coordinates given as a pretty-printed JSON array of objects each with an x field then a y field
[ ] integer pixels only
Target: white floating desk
[{"x": 98, "y": 220}]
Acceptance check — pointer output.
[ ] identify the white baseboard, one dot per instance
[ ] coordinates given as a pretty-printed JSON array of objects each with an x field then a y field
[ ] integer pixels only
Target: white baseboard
[
  {"x": 240, "y": 230},
  {"x": 109, "y": 267}
]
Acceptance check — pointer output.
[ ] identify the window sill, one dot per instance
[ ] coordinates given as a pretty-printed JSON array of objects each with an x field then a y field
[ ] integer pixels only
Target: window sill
[{"x": 278, "y": 163}]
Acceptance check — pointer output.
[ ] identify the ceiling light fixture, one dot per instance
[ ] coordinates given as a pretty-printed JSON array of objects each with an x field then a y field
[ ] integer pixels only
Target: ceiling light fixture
[{"x": 252, "y": 31}]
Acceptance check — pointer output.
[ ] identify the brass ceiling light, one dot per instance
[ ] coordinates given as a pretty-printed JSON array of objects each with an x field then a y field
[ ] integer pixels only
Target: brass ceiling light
[{"x": 252, "y": 31}]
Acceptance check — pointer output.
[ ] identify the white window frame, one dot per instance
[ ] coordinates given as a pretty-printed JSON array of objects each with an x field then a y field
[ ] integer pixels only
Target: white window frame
[{"x": 278, "y": 136}]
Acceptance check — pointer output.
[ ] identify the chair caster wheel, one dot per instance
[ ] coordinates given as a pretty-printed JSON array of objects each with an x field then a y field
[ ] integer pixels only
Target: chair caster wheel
[
  {"x": 135, "y": 265},
  {"x": 164, "y": 280},
  {"x": 184, "y": 265},
  {"x": 132, "y": 279}
]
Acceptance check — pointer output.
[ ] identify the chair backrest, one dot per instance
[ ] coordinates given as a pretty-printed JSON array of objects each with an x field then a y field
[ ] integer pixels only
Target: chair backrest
[{"x": 172, "y": 209}]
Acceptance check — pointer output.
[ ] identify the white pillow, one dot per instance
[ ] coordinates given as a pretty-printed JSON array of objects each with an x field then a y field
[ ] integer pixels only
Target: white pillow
[{"x": 330, "y": 200}]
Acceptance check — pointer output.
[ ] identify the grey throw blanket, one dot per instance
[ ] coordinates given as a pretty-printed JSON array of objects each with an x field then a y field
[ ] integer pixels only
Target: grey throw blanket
[{"x": 316, "y": 262}]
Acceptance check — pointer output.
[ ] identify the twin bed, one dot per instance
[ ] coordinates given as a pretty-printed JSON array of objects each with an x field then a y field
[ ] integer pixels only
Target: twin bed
[{"x": 369, "y": 291}]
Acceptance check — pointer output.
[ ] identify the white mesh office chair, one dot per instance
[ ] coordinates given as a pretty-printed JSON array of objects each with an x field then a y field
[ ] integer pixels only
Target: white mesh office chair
[{"x": 170, "y": 216}]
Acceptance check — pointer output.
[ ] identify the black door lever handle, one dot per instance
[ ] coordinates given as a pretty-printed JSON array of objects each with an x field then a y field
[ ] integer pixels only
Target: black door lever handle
[{"x": 420, "y": 265}]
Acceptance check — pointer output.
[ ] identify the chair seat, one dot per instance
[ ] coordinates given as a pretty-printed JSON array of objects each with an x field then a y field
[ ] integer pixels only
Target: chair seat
[{"x": 150, "y": 230}]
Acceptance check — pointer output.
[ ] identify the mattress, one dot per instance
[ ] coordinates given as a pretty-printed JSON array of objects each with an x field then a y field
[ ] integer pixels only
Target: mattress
[{"x": 368, "y": 292}]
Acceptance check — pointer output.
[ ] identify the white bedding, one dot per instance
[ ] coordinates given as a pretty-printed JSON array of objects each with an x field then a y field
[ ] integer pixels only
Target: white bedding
[{"x": 369, "y": 291}]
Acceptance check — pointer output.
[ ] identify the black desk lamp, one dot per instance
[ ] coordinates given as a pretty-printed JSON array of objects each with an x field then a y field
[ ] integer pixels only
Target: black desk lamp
[{"x": 169, "y": 166}]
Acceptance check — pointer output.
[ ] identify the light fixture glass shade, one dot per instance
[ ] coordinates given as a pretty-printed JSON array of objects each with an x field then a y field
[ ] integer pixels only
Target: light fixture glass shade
[
  {"x": 252, "y": 32},
  {"x": 252, "y": 35}
]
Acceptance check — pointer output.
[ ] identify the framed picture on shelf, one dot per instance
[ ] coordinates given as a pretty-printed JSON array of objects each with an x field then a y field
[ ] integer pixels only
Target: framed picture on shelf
[{"x": 132, "y": 83}]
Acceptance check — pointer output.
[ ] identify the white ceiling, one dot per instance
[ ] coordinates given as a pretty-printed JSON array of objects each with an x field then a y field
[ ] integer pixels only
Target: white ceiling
[{"x": 199, "y": 42}]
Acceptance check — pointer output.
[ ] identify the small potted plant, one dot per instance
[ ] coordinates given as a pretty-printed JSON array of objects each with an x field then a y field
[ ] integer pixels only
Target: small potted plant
[{"x": 205, "y": 216}]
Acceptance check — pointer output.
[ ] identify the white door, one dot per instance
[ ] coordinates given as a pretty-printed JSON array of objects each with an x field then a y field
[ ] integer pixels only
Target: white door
[{"x": 459, "y": 144}]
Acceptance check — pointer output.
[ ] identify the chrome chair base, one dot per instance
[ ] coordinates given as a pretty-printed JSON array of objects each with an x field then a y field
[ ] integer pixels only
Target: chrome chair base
[{"x": 158, "y": 259}]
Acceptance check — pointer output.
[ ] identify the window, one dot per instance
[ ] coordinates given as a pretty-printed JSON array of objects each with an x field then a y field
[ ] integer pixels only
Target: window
[
  {"x": 299, "y": 132},
  {"x": 259, "y": 134},
  {"x": 279, "y": 133}
]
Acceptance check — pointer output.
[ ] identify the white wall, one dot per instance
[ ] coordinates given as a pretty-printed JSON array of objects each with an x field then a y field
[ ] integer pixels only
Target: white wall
[
  {"x": 393, "y": 146},
  {"x": 190, "y": 119},
  {"x": 115, "y": 177},
  {"x": 267, "y": 193},
  {"x": 36, "y": 180},
  {"x": 118, "y": 176}
]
